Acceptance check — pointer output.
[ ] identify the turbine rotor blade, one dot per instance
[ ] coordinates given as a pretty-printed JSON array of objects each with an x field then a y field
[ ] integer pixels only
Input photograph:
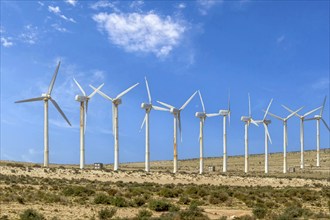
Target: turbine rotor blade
[
  {"x": 275, "y": 116},
  {"x": 143, "y": 122},
  {"x": 325, "y": 124},
  {"x": 270, "y": 103},
  {"x": 200, "y": 97},
  {"x": 186, "y": 103},
  {"x": 160, "y": 108},
  {"x": 254, "y": 122},
  {"x": 165, "y": 104},
  {"x": 126, "y": 91},
  {"x": 60, "y": 111},
  {"x": 249, "y": 104},
  {"x": 310, "y": 112},
  {"x": 293, "y": 113},
  {"x": 148, "y": 90},
  {"x": 325, "y": 99},
  {"x": 267, "y": 132},
  {"x": 101, "y": 93},
  {"x": 95, "y": 91},
  {"x": 179, "y": 120},
  {"x": 212, "y": 114},
  {"x": 31, "y": 100},
  {"x": 81, "y": 89},
  {"x": 52, "y": 82}
]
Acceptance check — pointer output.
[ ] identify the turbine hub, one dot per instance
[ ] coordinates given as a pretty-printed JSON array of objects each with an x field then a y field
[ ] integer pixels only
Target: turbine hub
[
  {"x": 146, "y": 106},
  {"x": 117, "y": 101},
  {"x": 267, "y": 122},
  {"x": 174, "y": 110},
  {"x": 200, "y": 114},
  {"x": 80, "y": 98}
]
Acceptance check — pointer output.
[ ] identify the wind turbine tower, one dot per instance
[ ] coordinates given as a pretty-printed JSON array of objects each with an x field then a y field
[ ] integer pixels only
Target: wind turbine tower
[
  {"x": 247, "y": 120},
  {"x": 266, "y": 122},
  {"x": 202, "y": 117},
  {"x": 83, "y": 99},
  {"x": 148, "y": 107},
  {"x": 177, "y": 123},
  {"x": 302, "y": 119},
  {"x": 45, "y": 97},
  {"x": 115, "y": 103},
  {"x": 285, "y": 135},
  {"x": 317, "y": 118}
]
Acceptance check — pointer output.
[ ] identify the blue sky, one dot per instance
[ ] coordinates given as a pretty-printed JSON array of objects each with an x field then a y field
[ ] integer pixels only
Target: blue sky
[{"x": 272, "y": 49}]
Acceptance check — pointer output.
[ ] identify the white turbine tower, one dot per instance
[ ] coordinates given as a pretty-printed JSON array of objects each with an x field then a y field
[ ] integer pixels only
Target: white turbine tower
[
  {"x": 266, "y": 122},
  {"x": 45, "y": 97},
  {"x": 202, "y": 117},
  {"x": 83, "y": 99},
  {"x": 285, "y": 135},
  {"x": 148, "y": 107},
  {"x": 318, "y": 118},
  {"x": 302, "y": 119},
  {"x": 177, "y": 122},
  {"x": 115, "y": 103},
  {"x": 247, "y": 120}
]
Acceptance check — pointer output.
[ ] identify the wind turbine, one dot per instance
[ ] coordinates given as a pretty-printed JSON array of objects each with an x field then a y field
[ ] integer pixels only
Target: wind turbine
[
  {"x": 45, "y": 97},
  {"x": 318, "y": 118},
  {"x": 83, "y": 99},
  {"x": 202, "y": 117},
  {"x": 285, "y": 135},
  {"x": 177, "y": 122},
  {"x": 247, "y": 120},
  {"x": 266, "y": 122},
  {"x": 115, "y": 103},
  {"x": 302, "y": 119},
  {"x": 148, "y": 107}
]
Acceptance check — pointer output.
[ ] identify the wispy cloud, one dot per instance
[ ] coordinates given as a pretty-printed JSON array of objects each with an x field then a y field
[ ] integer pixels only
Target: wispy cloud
[
  {"x": 57, "y": 11},
  {"x": 30, "y": 34},
  {"x": 31, "y": 155},
  {"x": 205, "y": 5},
  {"x": 105, "y": 4},
  {"x": 181, "y": 5},
  {"x": 138, "y": 32},
  {"x": 136, "y": 4},
  {"x": 6, "y": 42},
  {"x": 321, "y": 84},
  {"x": 59, "y": 28},
  {"x": 71, "y": 2}
]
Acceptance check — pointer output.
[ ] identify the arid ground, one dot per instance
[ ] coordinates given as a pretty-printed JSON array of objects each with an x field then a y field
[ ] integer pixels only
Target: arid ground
[{"x": 66, "y": 192}]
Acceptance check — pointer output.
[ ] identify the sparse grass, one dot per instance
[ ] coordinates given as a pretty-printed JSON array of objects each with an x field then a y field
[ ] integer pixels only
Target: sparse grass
[
  {"x": 31, "y": 214},
  {"x": 107, "y": 213}
]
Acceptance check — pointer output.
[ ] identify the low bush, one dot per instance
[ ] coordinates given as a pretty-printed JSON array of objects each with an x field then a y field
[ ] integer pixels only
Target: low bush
[
  {"x": 78, "y": 191},
  {"x": 259, "y": 212},
  {"x": 31, "y": 214},
  {"x": 102, "y": 199},
  {"x": 159, "y": 205},
  {"x": 139, "y": 201},
  {"x": 143, "y": 214},
  {"x": 119, "y": 201},
  {"x": 106, "y": 213}
]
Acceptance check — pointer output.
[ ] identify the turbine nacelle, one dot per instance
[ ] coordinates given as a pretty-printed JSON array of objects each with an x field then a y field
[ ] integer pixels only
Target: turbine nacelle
[
  {"x": 224, "y": 112},
  {"x": 200, "y": 114},
  {"x": 80, "y": 98},
  {"x": 245, "y": 118},
  {"x": 317, "y": 116},
  {"x": 45, "y": 95},
  {"x": 117, "y": 101},
  {"x": 267, "y": 122},
  {"x": 174, "y": 111},
  {"x": 146, "y": 106}
]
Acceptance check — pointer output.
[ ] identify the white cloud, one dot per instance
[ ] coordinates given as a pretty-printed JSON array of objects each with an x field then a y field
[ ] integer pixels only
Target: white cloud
[
  {"x": 41, "y": 3},
  {"x": 136, "y": 4},
  {"x": 137, "y": 32},
  {"x": 6, "y": 42},
  {"x": 59, "y": 28},
  {"x": 71, "y": 2},
  {"x": 104, "y": 4},
  {"x": 30, "y": 34},
  {"x": 205, "y": 5},
  {"x": 56, "y": 10},
  {"x": 181, "y": 5}
]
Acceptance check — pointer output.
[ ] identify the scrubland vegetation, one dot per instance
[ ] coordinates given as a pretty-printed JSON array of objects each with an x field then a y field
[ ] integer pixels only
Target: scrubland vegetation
[{"x": 105, "y": 200}]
